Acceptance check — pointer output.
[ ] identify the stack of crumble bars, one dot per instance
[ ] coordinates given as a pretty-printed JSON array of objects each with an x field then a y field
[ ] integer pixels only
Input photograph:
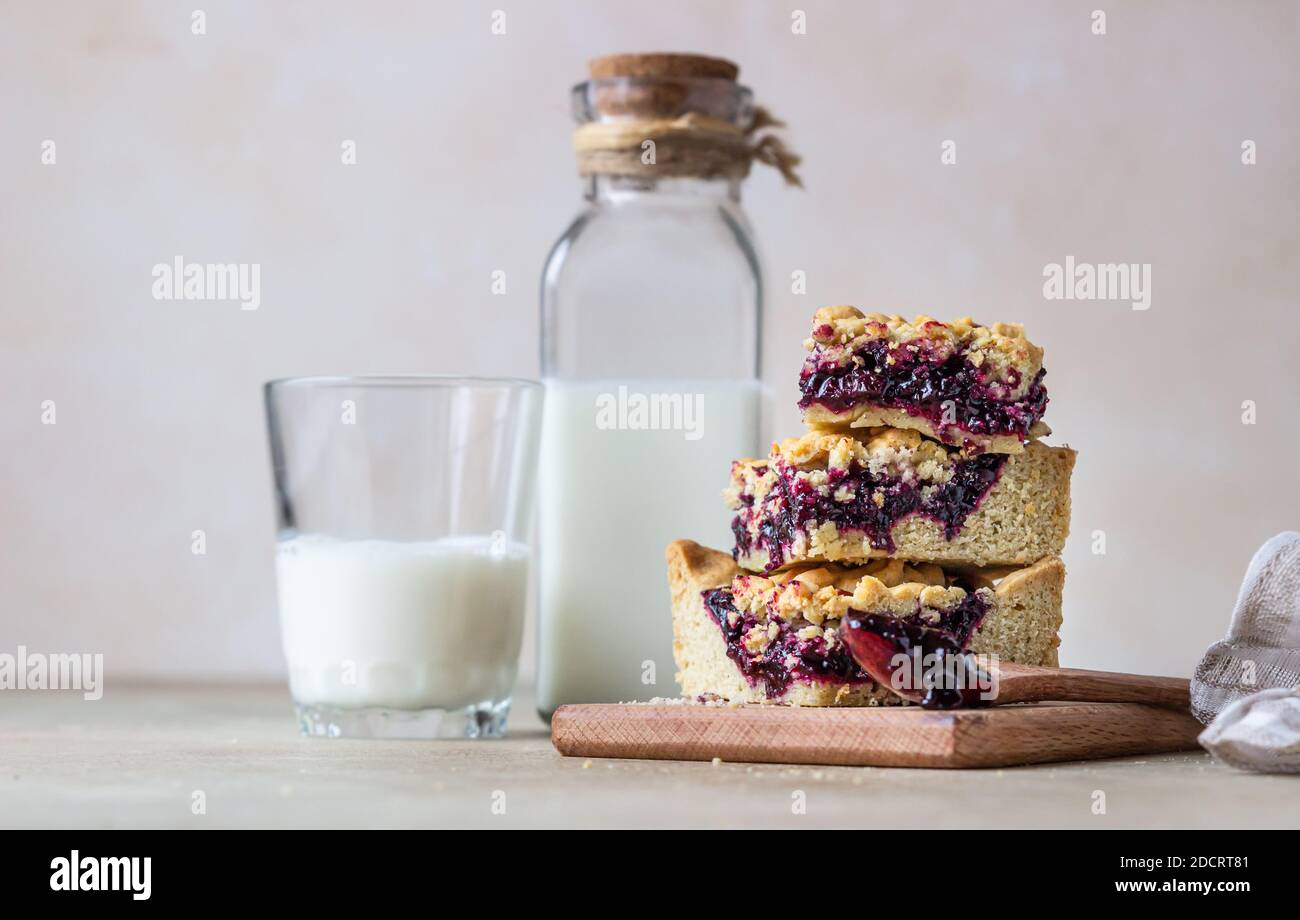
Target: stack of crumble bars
[{"x": 920, "y": 491}]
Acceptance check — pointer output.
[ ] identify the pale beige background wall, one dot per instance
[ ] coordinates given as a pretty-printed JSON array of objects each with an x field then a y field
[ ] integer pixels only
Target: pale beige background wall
[{"x": 225, "y": 147}]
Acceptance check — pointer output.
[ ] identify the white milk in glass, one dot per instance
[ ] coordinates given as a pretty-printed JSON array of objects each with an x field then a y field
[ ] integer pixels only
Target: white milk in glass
[
  {"x": 419, "y": 625},
  {"x": 613, "y": 494}
]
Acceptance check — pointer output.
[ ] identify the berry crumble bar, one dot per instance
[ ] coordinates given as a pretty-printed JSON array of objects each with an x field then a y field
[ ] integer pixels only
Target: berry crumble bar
[
  {"x": 832, "y": 497},
  {"x": 967, "y": 385},
  {"x": 751, "y": 638}
]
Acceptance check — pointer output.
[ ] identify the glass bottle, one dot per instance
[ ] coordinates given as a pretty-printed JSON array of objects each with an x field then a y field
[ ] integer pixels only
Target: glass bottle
[{"x": 651, "y": 298}]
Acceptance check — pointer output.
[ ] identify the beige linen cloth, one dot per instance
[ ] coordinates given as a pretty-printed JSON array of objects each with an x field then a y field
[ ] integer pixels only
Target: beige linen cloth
[{"x": 1247, "y": 687}]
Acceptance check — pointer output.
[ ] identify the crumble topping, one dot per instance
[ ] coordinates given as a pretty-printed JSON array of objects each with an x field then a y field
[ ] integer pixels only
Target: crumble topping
[
  {"x": 751, "y": 480},
  {"x": 816, "y": 594},
  {"x": 896, "y": 452}
]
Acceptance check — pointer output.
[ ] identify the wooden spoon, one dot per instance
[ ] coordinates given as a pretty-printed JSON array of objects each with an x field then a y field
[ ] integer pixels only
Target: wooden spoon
[
  {"x": 958, "y": 679},
  {"x": 1023, "y": 683}
]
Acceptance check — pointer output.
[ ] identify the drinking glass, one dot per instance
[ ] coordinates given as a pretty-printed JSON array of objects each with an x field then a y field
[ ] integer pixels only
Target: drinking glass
[{"x": 404, "y": 509}]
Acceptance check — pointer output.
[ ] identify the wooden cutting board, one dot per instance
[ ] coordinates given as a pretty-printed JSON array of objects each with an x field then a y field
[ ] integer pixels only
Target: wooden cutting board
[{"x": 903, "y": 736}]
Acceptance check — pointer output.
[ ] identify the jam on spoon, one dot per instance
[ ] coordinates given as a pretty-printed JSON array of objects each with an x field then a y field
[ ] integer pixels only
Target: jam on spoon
[{"x": 923, "y": 664}]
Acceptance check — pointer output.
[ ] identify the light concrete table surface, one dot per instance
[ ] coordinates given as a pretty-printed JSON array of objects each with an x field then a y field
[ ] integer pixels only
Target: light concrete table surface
[{"x": 151, "y": 755}]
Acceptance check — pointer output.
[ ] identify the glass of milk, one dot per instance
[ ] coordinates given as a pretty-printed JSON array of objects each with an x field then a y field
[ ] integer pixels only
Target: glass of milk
[{"x": 404, "y": 509}]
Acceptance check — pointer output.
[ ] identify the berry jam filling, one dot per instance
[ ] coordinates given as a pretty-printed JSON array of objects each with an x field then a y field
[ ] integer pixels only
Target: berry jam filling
[
  {"x": 947, "y": 391},
  {"x": 786, "y": 658},
  {"x": 926, "y": 664},
  {"x": 793, "y": 503}
]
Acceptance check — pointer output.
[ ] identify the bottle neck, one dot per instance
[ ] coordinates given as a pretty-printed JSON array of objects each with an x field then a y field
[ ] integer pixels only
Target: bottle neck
[{"x": 622, "y": 189}]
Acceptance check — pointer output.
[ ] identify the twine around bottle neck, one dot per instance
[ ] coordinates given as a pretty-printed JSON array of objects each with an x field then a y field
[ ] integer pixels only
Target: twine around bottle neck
[{"x": 690, "y": 145}]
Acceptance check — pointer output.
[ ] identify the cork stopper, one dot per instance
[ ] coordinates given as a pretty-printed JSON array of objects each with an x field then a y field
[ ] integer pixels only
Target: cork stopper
[
  {"x": 661, "y": 85},
  {"x": 661, "y": 66},
  {"x": 702, "y": 121}
]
